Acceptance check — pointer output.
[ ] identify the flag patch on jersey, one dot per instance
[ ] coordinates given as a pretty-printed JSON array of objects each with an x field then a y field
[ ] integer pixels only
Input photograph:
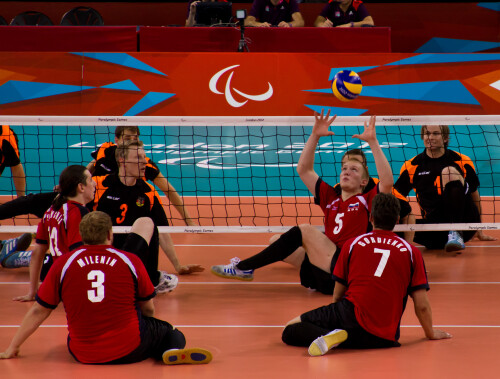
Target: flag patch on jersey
[
  {"x": 353, "y": 207},
  {"x": 140, "y": 201}
]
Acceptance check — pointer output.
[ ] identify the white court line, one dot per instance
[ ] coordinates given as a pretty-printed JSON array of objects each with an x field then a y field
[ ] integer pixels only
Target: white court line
[{"x": 419, "y": 246}]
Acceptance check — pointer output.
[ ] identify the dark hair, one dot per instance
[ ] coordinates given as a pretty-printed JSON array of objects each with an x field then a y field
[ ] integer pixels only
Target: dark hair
[
  {"x": 355, "y": 152},
  {"x": 445, "y": 132},
  {"x": 120, "y": 129},
  {"x": 94, "y": 228},
  {"x": 385, "y": 211},
  {"x": 69, "y": 179}
]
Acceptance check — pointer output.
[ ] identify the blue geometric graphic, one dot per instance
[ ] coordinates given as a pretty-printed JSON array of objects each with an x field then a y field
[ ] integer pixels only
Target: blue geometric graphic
[
  {"x": 149, "y": 100},
  {"x": 446, "y": 58},
  {"x": 337, "y": 110},
  {"x": 450, "y": 91},
  {"x": 15, "y": 90},
  {"x": 126, "y": 85},
  {"x": 122, "y": 59},
  {"x": 333, "y": 71},
  {"x": 449, "y": 45},
  {"x": 492, "y": 6}
]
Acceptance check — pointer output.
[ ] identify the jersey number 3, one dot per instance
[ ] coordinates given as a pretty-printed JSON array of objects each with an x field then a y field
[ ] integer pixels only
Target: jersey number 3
[{"x": 96, "y": 277}]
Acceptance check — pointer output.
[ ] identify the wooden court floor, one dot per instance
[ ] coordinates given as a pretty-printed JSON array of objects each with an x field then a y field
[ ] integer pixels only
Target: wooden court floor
[{"x": 241, "y": 322}]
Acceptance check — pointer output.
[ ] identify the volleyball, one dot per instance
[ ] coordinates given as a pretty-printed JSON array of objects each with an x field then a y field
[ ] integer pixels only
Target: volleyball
[{"x": 346, "y": 85}]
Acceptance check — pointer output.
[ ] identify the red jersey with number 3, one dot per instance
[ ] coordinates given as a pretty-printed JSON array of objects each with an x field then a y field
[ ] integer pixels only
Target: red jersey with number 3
[
  {"x": 344, "y": 219},
  {"x": 99, "y": 287},
  {"x": 379, "y": 270},
  {"x": 60, "y": 229}
]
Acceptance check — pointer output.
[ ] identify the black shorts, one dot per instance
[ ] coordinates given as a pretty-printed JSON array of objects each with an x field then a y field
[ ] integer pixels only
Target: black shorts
[
  {"x": 315, "y": 278},
  {"x": 437, "y": 240},
  {"x": 341, "y": 315},
  {"x": 157, "y": 336}
]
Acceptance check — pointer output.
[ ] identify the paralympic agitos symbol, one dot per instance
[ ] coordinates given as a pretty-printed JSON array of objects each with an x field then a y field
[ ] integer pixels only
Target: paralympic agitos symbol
[{"x": 227, "y": 90}]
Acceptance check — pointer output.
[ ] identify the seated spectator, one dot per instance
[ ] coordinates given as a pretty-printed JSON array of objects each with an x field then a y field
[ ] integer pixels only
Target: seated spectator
[
  {"x": 191, "y": 14},
  {"x": 344, "y": 14},
  {"x": 282, "y": 13}
]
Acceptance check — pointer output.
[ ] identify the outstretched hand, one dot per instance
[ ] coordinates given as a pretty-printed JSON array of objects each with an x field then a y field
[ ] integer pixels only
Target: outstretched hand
[
  {"x": 369, "y": 134},
  {"x": 322, "y": 123},
  {"x": 189, "y": 269}
]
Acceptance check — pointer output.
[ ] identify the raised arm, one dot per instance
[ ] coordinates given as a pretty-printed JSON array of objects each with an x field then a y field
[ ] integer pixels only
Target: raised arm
[
  {"x": 384, "y": 170},
  {"x": 305, "y": 167}
]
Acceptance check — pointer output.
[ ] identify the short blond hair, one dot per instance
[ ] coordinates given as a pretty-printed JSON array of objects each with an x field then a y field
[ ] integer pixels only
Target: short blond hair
[
  {"x": 123, "y": 149},
  {"x": 94, "y": 228}
]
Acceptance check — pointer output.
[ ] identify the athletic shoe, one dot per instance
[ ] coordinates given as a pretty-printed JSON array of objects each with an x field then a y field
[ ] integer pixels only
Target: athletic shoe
[
  {"x": 230, "y": 271},
  {"x": 167, "y": 283},
  {"x": 455, "y": 242},
  {"x": 323, "y": 344},
  {"x": 193, "y": 356},
  {"x": 20, "y": 243}
]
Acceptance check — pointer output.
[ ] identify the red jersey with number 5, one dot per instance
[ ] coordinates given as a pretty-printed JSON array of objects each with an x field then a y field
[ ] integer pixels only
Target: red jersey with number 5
[
  {"x": 60, "y": 229},
  {"x": 379, "y": 270},
  {"x": 344, "y": 219},
  {"x": 99, "y": 287}
]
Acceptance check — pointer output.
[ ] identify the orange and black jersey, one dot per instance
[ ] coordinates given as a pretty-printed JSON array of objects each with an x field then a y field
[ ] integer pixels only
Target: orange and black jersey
[
  {"x": 423, "y": 174},
  {"x": 125, "y": 204},
  {"x": 105, "y": 162},
  {"x": 9, "y": 151},
  {"x": 372, "y": 182}
]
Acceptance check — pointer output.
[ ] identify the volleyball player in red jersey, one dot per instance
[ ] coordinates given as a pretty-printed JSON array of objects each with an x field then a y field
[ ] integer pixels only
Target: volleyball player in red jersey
[
  {"x": 107, "y": 297},
  {"x": 375, "y": 273},
  {"x": 346, "y": 215},
  {"x": 58, "y": 230}
]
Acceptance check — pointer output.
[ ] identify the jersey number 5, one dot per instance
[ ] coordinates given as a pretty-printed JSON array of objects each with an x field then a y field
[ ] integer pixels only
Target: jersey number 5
[
  {"x": 339, "y": 222},
  {"x": 96, "y": 277}
]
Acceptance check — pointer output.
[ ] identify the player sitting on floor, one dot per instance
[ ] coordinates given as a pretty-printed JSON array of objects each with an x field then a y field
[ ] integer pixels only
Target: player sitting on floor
[
  {"x": 108, "y": 300},
  {"x": 346, "y": 215},
  {"x": 375, "y": 273}
]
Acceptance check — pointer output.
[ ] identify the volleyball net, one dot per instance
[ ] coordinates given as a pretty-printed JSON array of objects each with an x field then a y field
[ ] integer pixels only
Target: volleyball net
[{"x": 238, "y": 174}]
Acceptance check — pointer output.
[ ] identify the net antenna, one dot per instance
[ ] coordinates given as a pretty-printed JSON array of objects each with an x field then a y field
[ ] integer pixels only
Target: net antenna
[{"x": 238, "y": 174}]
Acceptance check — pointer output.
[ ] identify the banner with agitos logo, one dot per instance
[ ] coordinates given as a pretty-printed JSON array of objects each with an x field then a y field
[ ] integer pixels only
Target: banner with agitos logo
[{"x": 245, "y": 84}]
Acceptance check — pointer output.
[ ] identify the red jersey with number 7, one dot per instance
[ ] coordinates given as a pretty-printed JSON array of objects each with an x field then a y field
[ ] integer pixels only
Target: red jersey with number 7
[
  {"x": 60, "y": 229},
  {"x": 344, "y": 219},
  {"x": 379, "y": 270},
  {"x": 99, "y": 287}
]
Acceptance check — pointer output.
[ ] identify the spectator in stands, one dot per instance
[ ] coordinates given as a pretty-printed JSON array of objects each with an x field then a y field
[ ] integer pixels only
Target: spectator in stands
[
  {"x": 344, "y": 14},
  {"x": 191, "y": 14},
  {"x": 9, "y": 157},
  {"x": 282, "y": 13}
]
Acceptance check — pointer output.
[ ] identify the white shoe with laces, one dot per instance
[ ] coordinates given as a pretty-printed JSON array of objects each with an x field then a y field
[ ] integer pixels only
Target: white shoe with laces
[
  {"x": 230, "y": 271},
  {"x": 167, "y": 283}
]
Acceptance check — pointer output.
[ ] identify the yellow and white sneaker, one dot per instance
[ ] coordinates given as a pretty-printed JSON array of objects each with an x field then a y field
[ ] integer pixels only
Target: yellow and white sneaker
[{"x": 321, "y": 345}]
